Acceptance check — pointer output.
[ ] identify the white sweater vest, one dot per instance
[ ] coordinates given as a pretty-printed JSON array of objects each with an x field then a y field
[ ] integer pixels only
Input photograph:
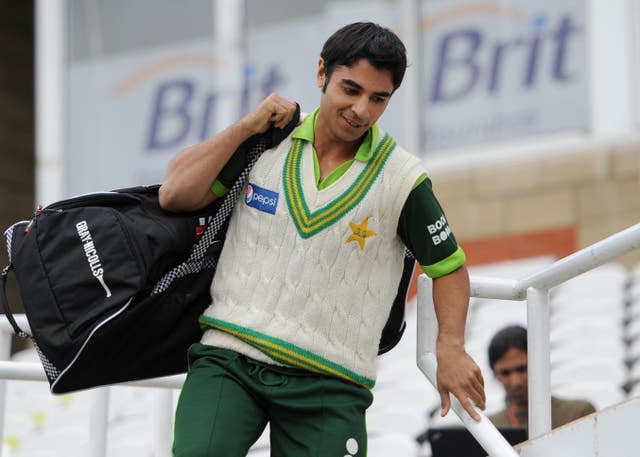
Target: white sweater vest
[{"x": 312, "y": 285}]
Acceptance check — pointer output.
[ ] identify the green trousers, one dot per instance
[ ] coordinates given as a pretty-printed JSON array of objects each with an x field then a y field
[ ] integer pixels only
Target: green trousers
[{"x": 227, "y": 400}]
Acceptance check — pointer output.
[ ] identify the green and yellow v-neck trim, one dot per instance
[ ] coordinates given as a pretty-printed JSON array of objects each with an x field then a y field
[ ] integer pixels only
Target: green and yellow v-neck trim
[{"x": 309, "y": 223}]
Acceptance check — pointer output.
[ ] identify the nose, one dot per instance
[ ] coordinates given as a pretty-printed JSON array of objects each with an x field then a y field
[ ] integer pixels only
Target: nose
[
  {"x": 361, "y": 108},
  {"x": 516, "y": 379}
]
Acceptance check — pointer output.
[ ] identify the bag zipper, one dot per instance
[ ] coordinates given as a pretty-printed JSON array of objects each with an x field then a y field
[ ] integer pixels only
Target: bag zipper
[{"x": 81, "y": 200}]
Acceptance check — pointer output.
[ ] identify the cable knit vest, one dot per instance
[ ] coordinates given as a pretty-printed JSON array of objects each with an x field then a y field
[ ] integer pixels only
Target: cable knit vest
[{"x": 312, "y": 285}]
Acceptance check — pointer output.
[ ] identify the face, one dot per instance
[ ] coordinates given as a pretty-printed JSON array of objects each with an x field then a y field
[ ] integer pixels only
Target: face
[
  {"x": 511, "y": 371},
  {"x": 354, "y": 98}
]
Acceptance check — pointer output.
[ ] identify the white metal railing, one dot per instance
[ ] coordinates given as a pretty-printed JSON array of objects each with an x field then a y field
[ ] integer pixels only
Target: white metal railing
[
  {"x": 162, "y": 413},
  {"x": 535, "y": 290}
]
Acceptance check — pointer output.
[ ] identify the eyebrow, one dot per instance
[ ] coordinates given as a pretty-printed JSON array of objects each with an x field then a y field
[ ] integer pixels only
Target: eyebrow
[{"x": 352, "y": 83}]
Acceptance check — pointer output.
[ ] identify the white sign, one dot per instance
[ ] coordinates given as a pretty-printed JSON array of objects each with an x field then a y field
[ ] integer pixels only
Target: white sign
[
  {"x": 129, "y": 115},
  {"x": 493, "y": 70},
  {"x": 498, "y": 70}
]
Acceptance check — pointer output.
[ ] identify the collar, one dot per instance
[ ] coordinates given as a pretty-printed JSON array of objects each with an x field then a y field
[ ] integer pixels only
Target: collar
[{"x": 306, "y": 131}]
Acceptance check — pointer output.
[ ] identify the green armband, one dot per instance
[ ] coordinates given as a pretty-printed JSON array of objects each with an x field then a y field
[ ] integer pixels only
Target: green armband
[
  {"x": 219, "y": 189},
  {"x": 445, "y": 266}
]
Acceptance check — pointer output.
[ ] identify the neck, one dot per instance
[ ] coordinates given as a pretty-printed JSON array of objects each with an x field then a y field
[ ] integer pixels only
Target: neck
[
  {"x": 328, "y": 146},
  {"x": 336, "y": 151}
]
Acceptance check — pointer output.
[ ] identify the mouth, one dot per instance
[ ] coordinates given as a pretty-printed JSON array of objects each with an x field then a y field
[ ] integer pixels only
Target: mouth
[{"x": 353, "y": 123}]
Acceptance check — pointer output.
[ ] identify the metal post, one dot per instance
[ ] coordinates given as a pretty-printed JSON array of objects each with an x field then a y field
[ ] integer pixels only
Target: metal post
[
  {"x": 98, "y": 423},
  {"x": 51, "y": 113},
  {"x": 539, "y": 361},
  {"x": 411, "y": 17},
  {"x": 229, "y": 54},
  {"x": 163, "y": 422}
]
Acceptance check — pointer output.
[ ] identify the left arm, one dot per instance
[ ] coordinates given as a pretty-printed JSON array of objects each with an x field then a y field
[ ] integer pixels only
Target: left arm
[
  {"x": 457, "y": 372},
  {"x": 443, "y": 260}
]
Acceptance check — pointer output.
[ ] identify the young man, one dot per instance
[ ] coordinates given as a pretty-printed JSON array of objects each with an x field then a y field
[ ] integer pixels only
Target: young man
[
  {"x": 311, "y": 265},
  {"x": 508, "y": 360}
]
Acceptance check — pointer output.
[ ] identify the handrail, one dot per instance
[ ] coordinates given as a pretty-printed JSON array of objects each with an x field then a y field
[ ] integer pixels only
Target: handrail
[
  {"x": 560, "y": 271},
  {"x": 484, "y": 432},
  {"x": 33, "y": 371},
  {"x": 535, "y": 290}
]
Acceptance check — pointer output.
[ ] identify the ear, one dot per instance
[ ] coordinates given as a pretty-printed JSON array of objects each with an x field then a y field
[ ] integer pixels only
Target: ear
[{"x": 321, "y": 73}]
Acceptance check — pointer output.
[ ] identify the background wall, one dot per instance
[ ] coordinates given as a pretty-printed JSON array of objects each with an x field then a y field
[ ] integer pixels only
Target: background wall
[
  {"x": 552, "y": 204},
  {"x": 16, "y": 117}
]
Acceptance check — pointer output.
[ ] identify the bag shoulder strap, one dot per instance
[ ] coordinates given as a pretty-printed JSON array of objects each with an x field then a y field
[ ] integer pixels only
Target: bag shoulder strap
[
  {"x": 8, "y": 236},
  {"x": 5, "y": 304},
  {"x": 196, "y": 261}
]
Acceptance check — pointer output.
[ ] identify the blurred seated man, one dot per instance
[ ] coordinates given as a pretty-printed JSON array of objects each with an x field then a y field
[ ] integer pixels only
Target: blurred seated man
[{"x": 508, "y": 360}]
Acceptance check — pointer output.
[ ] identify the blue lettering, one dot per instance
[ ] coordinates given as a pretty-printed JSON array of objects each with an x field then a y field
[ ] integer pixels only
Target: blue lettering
[
  {"x": 271, "y": 81},
  {"x": 532, "y": 65},
  {"x": 246, "y": 90},
  {"x": 209, "y": 108},
  {"x": 180, "y": 108},
  {"x": 468, "y": 61},
  {"x": 561, "y": 37},
  {"x": 498, "y": 52},
  {"x": 164, "y": 110},
  {"x": 471, "y": 40}
]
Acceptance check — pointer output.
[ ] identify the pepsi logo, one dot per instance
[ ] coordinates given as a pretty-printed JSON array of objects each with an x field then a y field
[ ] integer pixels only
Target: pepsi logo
[
  {"x": 248, "y": 196},
  {"x": 261, "y": 199}
]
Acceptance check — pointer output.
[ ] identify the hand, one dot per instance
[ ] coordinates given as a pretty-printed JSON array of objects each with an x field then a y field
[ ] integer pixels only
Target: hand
[
  {"x": 458, "y": 374},
  {"x": 273, "y": 110}
]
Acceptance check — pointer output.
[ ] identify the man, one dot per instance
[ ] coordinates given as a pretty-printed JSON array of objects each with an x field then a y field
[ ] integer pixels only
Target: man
[
  {"x": 311, "y": 265},
  {"x": 508, "y": 360}
]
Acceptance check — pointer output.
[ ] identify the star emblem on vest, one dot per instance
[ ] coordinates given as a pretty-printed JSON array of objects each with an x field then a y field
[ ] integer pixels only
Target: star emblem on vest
[{"x": 360, "y": 232}]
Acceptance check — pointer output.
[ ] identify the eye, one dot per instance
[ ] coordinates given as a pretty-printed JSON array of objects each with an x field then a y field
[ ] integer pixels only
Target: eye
[
  {"x": 378, "y": 99},
  {"x": 350, "y": 90}
]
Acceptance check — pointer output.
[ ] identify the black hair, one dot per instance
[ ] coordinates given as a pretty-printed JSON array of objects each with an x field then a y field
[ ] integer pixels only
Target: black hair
[
  {"x": 513, "y": 336},
  {"x": 379, "y": 45}
]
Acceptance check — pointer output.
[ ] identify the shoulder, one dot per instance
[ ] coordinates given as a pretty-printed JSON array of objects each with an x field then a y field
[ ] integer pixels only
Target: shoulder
[
  {"x": 571, "y": 402},
  {"x": 577, "y": 407},
  {"x": 398, "y": 162},
  {"x": 398, "y": 152}
]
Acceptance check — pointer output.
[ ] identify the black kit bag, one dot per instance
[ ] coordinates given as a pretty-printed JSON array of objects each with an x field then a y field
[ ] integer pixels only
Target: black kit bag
[
  {"x": 85, "y": 270},
  {"x": 112, "y": 285}
]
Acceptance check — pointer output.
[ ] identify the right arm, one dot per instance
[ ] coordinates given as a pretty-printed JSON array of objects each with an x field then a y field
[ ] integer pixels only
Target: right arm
[{"x": 187, "y": 185}]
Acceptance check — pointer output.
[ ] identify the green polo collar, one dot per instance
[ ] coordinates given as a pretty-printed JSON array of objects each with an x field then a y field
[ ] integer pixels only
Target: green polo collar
[{"x": 306, "y": 131}]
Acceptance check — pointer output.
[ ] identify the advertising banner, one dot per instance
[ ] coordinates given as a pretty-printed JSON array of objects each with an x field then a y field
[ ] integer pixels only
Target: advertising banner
[
  {"x": 502, "y": 70},
  {"x": 491, "y": 71}
]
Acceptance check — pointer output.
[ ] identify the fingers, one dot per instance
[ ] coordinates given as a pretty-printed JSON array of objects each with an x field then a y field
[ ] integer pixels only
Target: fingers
[
  {"x": 465, "y": 401},
  {"x": 477, "y": 391},
  {"x": 273, "y": 110},
  {"x": 459, "y": 375},
  {"x": 472, "y": 391},
  {"x": 280, "y": 109},
  {"x": 281, "y": 119},
  {"x": 468, "y": 388},
  {"x": 445, "y": 402},
  {"x": 468, "y": 406}
]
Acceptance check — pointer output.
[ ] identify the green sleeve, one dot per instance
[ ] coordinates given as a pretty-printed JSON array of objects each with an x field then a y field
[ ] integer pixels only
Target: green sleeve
[{"x": 424, "y": 230}]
